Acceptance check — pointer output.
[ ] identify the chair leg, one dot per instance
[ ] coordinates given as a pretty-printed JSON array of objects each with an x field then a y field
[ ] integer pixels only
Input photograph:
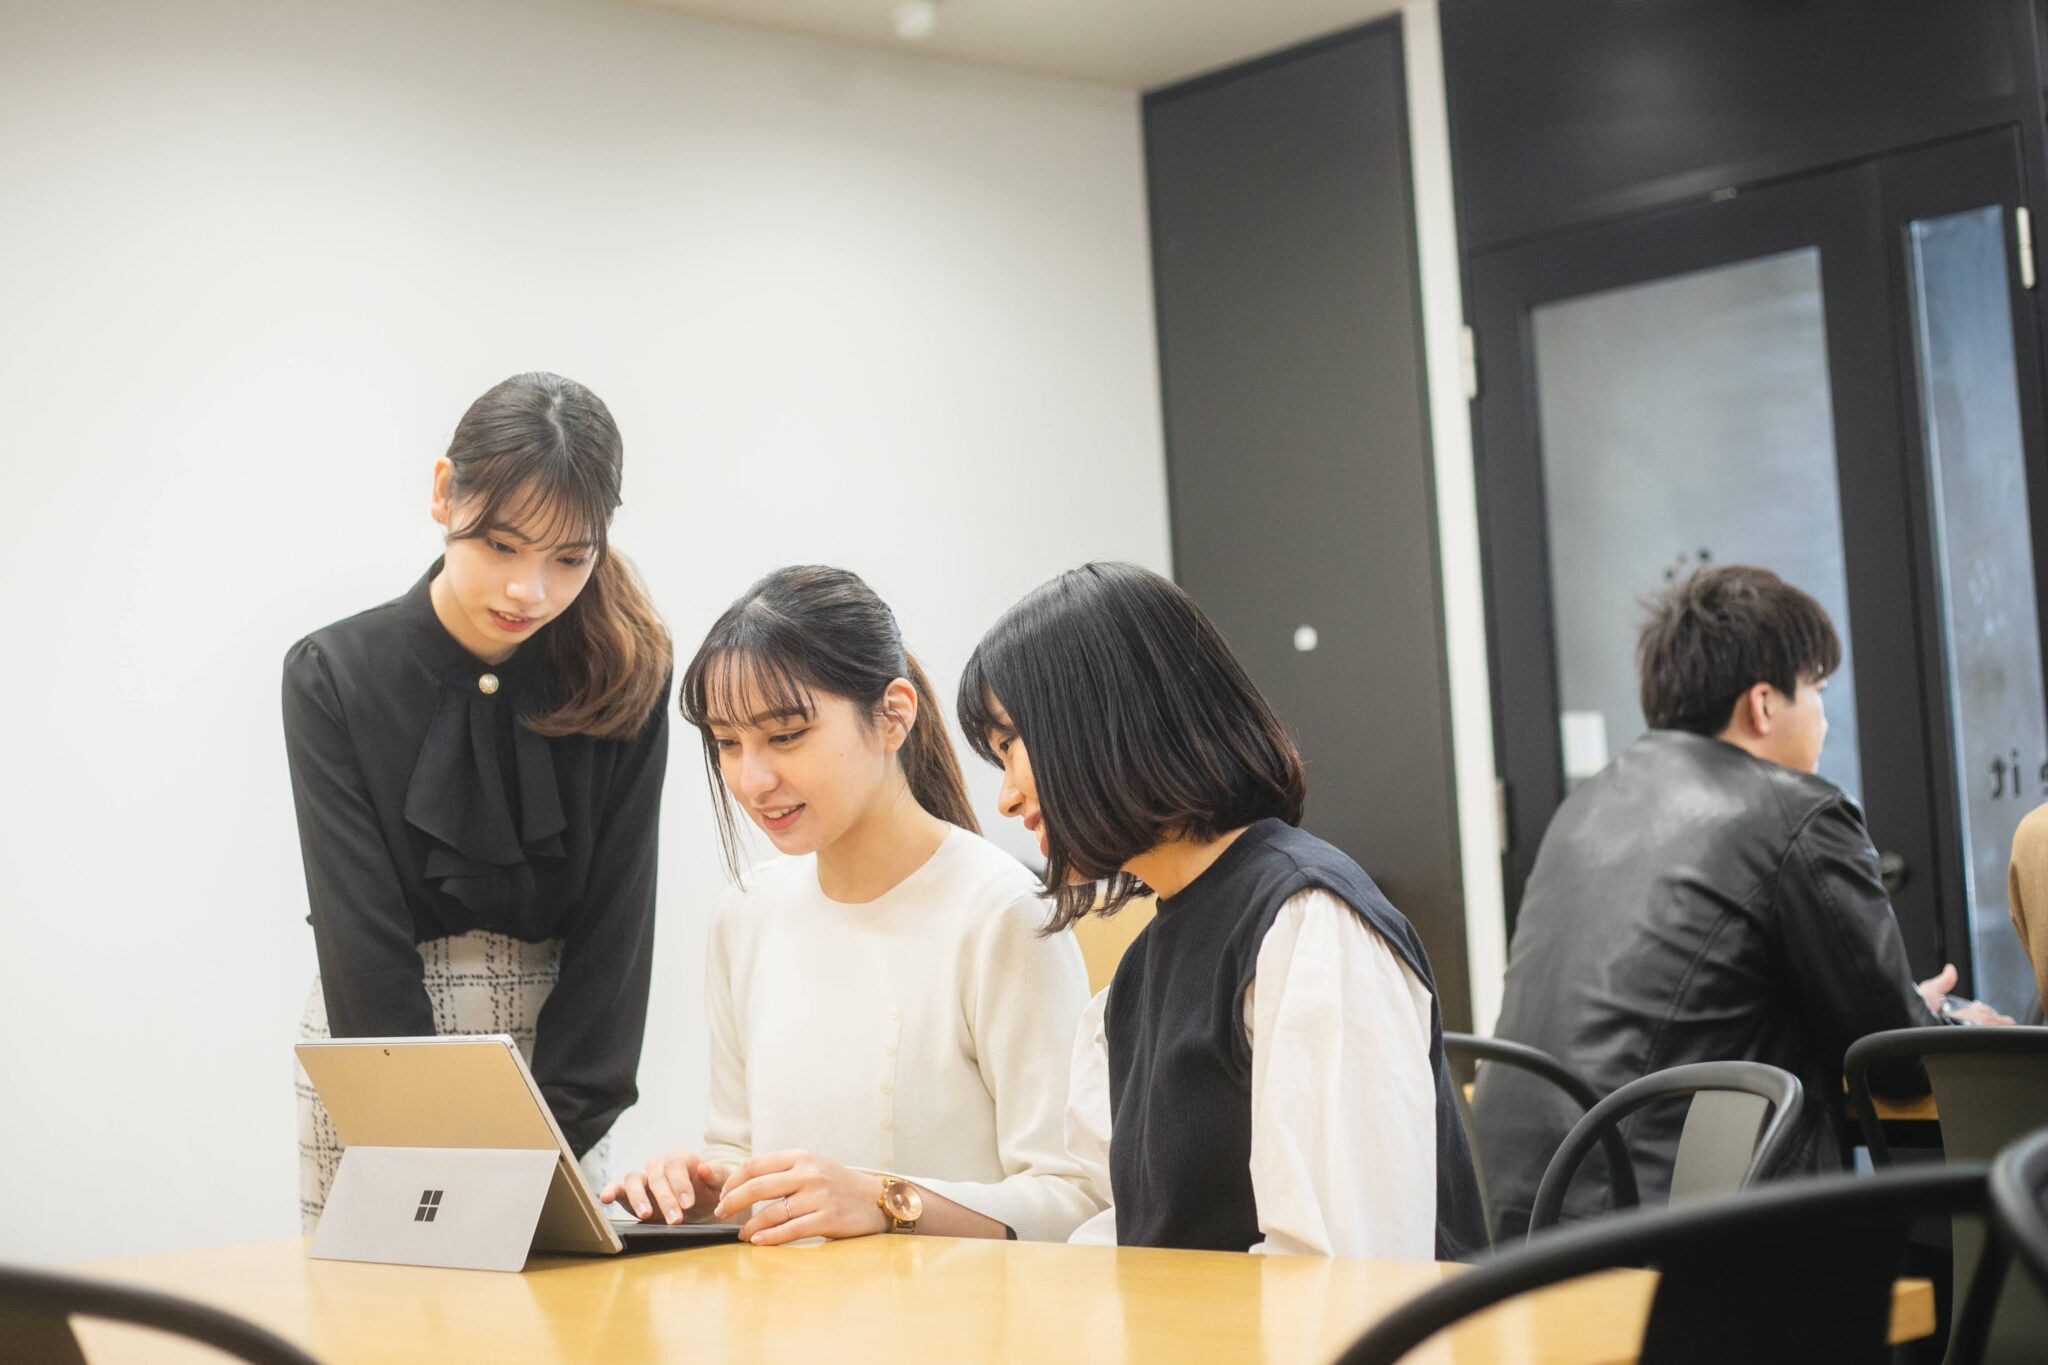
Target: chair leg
[
  {"x": 1966, "y": 1339},
  {"x": 37, "y": 1334}
]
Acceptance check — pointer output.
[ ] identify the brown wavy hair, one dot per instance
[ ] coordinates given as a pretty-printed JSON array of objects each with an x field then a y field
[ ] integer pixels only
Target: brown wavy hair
[
  {"x": 811, "y": 629},
  {"x": 541, "y": 448}
]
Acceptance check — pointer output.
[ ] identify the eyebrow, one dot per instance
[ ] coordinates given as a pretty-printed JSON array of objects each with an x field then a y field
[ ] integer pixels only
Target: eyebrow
[
  {"x": 525, "y": 539},
  {"x": 759, "y": 719}
]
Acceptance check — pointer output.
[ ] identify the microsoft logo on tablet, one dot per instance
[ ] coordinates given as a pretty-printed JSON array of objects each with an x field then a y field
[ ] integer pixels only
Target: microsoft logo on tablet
[{"x": 430, "y": 1204}]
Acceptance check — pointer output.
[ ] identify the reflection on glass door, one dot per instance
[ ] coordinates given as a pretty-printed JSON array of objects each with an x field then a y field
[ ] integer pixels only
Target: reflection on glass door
[
  {"x": 1984, "y": 560},
  {"x": 1685, "y": 421}
]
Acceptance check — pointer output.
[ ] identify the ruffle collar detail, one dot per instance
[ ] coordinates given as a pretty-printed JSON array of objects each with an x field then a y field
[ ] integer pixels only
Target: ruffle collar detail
[{"x": 459, "y": 794}]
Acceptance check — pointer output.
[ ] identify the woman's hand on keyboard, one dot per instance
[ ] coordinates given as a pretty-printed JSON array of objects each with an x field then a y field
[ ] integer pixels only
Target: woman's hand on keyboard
[{"x": 680, "y": 1187}]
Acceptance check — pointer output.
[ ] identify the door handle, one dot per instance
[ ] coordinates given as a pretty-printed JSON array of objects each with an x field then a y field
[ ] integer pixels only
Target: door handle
[{"x": 1893, "y": 872}]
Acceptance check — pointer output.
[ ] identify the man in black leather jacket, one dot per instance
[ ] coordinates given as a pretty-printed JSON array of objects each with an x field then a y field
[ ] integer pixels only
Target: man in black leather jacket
[{"x": 1706, "y": 897}]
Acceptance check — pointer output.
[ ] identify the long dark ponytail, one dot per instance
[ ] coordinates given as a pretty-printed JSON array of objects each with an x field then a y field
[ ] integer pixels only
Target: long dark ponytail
[
  {"x": 541, "y": 446},
  {"x": 813, "y": 629}
]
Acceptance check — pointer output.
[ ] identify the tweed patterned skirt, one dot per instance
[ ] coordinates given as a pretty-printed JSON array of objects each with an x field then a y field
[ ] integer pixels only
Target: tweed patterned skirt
[{"x": 477, "y": 983}]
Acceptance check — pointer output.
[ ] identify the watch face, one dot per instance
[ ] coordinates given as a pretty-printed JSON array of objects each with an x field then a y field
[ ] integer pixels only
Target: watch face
[{"x": 901, "y": 1201}]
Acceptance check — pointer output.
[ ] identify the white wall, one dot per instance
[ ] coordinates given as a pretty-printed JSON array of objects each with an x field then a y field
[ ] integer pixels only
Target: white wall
[{"x": 255, "y": 259}]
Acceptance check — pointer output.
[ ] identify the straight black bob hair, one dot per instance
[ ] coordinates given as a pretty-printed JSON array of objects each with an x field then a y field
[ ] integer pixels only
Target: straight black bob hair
[
  {"x": 1718, "y": 632},
  {"x": 805, "y": 630},
  {"x": 1141, "y": 726}
]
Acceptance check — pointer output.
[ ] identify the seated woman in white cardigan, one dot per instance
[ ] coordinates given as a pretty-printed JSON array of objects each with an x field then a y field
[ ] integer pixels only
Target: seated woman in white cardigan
[{"x": 890, "y": 1034}]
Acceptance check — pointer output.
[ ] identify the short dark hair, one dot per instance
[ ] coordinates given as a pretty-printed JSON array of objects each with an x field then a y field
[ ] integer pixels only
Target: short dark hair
[
  {"x": 1141, "y": 726},
  {"x": 1718, "y": 632}
]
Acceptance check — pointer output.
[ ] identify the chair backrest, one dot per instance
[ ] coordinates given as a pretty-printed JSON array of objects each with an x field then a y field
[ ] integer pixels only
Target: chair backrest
[
  {"x": 1984, "y": 1327},
  {"x": 36, "y": 1308},
  {"x": 1990, "y": 1089},
  {"x": 1796, "y": 1271},
  {"x": 1990, "y": 1084},
  {"x": 2019, "y": 1203},
  {"x": 1462, "y": 1047},
  {"x": 1738, "y": 1128}
]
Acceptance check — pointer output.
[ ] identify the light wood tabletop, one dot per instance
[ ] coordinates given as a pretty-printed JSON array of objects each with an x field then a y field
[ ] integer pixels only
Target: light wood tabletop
[
  {"x": 1916, "y": 1110},
  {"x": 879, "y": 1298}
]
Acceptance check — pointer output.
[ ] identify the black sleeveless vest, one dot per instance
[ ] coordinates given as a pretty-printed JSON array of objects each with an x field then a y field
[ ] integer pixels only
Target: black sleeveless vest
[{"x": 1180, "y": 1061}]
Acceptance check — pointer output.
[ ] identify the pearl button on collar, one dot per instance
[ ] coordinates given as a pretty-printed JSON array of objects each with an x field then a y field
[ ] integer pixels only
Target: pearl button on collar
[{"x": 487, "y": 684}]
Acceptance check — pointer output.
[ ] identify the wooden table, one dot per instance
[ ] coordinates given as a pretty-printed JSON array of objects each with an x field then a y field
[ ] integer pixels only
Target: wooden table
[
  {"x": 1917, "y": 1110},
  {"x": 880, "y": 1298}
]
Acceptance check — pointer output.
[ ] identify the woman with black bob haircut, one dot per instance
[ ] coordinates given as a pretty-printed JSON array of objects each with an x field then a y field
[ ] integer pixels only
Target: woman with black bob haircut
[
  {"x": 889, "y": 1030},
  {"x": 477, "y": 769},
  {"x": 1265, "y": 1072}
]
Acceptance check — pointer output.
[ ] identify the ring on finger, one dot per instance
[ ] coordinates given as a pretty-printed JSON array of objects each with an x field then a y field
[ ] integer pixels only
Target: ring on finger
[{"x": 784, "y": 1201}]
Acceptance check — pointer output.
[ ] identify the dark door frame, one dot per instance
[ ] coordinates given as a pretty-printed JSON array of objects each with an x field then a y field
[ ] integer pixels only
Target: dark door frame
[{"x": 1835, "y": 211}]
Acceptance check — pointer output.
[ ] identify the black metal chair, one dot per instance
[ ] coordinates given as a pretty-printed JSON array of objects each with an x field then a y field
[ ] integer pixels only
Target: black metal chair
[
  {"x": 1990, "y": 1084},
  {"x": 2019, "y": 1222},
  {"x": 1797, "y": 1271},
  {"x": 2019, "y": 1203},
  {"x": 36, "y": 1308},
  {"x": 1460, "y": 1047},
  {"x": 1990, "y": 1089},
  {"x": 1741, "y": 1122}
]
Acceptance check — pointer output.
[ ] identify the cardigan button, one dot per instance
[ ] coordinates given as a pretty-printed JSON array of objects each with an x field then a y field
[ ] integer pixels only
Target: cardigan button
[{"x": 487, "y": 684}]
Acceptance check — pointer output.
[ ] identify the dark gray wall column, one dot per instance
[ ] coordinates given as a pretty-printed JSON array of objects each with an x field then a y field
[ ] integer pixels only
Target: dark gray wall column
[{"x": 1297, "y": 441}]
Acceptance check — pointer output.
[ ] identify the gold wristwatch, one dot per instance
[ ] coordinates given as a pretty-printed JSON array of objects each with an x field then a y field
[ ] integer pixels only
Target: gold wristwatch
[{"x": 901, "y": 1204}]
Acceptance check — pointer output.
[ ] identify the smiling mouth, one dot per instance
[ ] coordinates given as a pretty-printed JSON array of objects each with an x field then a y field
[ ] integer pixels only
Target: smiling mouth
[
  {"x": 779, "y": 817},
  {"x": 510, "y": 622}
]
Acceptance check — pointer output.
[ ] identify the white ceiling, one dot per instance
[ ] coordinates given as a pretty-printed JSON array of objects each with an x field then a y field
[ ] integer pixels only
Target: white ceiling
[{"x": 1139, "y": 44}]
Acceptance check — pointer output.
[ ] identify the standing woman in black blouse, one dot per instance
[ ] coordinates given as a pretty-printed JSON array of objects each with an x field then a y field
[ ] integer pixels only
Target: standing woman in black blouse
[{"x": 477, "y": 767}]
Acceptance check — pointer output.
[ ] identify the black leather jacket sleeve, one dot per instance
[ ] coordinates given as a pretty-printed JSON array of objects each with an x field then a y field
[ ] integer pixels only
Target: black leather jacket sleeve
[{"x": 1845, "y": 959}]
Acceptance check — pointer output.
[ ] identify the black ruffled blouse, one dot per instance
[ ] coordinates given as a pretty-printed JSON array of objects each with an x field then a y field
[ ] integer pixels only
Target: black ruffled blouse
[{"x": 425, "y": 810}]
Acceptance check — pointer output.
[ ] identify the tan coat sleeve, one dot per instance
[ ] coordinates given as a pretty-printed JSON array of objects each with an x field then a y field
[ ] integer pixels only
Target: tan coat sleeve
[{"x": 2027, "y": 891}]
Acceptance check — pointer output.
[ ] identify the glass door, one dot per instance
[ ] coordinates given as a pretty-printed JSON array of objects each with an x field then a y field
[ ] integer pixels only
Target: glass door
[
  {"x": 1837, "y": 378},
  {"x": 1972, "y": 416},
  {"x": 1715, "y": 383},
  {"x": 1667, "y": 448}
]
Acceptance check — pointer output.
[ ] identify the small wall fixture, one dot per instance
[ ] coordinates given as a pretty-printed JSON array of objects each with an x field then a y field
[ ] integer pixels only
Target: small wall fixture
[{"x": 914, "y": 20}]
